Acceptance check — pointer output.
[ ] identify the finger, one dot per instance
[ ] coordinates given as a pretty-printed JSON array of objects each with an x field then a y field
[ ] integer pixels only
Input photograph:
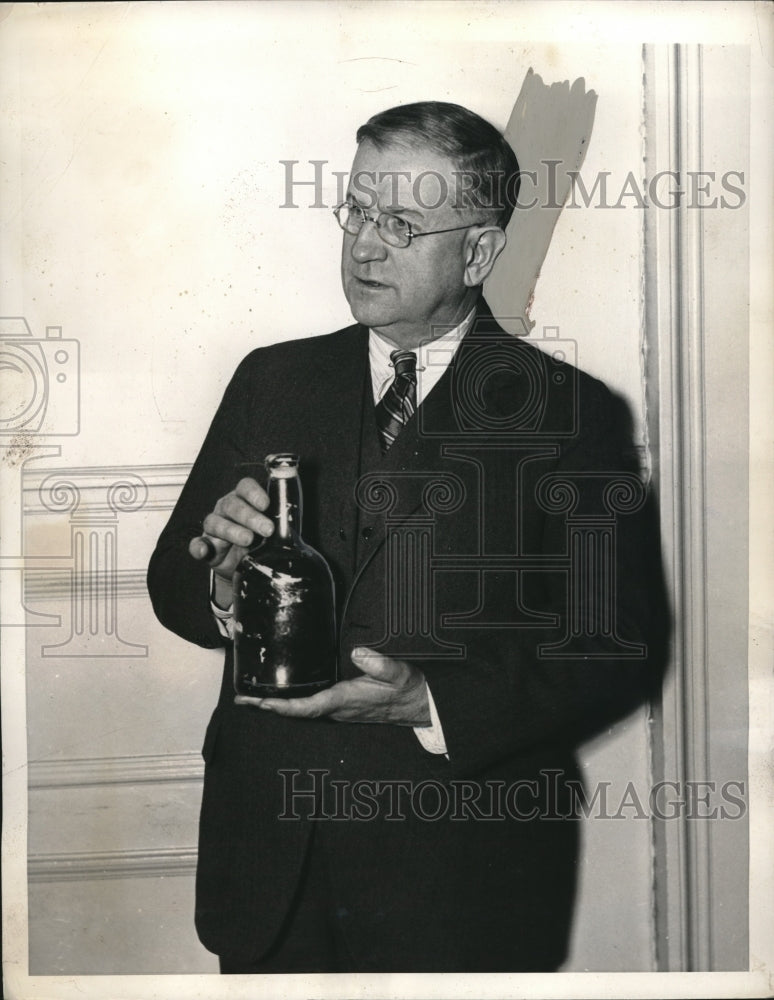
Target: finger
[
  {"x": 376, "y": 665},
  {"x": 224, "y": 529},
  {"x": 251, "y": 491},
  {"x": 235, "y": 509},
  {"x": 244, "y": 699}
]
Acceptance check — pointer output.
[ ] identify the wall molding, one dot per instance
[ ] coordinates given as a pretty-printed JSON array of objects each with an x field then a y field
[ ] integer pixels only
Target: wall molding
[
  {"x": 88, "y": 772},
  {"x": 133, "y": 770},
  {"x": 674, "y": 324},
  {"x": 101, "y": 489},
  {"x": 59, "y": 584},
  {"x": 87, "y": 866}
]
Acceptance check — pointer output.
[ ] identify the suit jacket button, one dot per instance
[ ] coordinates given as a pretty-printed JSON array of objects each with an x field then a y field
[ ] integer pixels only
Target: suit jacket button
[
  {"x": 342, "y": 535},
  {"x": 367, "y": 532}
]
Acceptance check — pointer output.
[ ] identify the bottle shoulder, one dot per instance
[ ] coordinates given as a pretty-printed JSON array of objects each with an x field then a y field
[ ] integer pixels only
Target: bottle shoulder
[{"x": 287, "y": 556}]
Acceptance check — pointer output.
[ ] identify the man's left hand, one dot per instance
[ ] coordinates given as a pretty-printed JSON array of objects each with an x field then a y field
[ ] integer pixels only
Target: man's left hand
[{"x": 391, "y": 691}]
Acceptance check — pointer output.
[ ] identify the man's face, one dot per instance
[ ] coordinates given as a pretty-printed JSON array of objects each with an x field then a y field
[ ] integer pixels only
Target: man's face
[{"x": 403, "y": 291}]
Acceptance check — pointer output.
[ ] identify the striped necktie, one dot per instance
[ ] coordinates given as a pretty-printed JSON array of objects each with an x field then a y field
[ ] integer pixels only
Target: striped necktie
[{"x": 399, "y": 402}]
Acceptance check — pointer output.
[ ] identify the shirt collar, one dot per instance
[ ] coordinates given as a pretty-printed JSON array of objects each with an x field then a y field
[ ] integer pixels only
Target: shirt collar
[{"x": 433, "y": 358}]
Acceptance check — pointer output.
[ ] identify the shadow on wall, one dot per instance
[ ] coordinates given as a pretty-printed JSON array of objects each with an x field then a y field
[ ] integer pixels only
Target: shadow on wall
[{"x": 549, "y": 129}]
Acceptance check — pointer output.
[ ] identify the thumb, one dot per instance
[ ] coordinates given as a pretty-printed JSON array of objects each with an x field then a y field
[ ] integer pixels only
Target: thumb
[
  {"x": 210, "y": 550},
  {"x": 376, "y": 665}
]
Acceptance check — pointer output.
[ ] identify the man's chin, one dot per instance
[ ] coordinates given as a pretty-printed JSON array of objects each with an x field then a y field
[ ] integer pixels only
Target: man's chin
[{"x": 369, "y": 314}]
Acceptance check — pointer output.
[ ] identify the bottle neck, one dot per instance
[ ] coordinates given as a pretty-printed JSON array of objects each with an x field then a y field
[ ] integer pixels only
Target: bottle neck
[{"x": 286, "y": 506}]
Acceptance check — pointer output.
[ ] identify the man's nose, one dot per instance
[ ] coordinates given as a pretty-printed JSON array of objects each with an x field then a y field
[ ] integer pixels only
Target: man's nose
[{"x": 368, "y": 244}]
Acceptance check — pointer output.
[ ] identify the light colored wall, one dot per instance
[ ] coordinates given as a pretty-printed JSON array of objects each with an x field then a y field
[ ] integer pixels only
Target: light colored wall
[
  {"x": 147, "y": 177},
  {"x": 150, "y": 184}
]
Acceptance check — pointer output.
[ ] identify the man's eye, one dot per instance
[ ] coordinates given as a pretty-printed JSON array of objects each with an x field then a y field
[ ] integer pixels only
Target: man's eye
[{"x": 398, "y": 225}]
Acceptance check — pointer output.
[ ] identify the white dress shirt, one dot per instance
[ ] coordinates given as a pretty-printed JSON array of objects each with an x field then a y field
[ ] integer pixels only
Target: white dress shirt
[{"x": 433, "y": 358}]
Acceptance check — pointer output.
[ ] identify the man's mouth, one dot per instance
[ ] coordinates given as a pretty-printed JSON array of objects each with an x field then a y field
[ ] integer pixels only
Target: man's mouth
[{"x": 369, "y": 283}]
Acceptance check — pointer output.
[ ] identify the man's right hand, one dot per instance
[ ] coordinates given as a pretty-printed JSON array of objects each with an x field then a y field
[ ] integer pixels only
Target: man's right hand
[{"x": 229, "y": 531}]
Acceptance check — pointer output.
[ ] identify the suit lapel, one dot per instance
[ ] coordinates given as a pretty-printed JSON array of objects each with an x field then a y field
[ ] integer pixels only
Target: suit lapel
[
  {"x": 338, "y": 385},
  {"x": 335, "y": 392}
]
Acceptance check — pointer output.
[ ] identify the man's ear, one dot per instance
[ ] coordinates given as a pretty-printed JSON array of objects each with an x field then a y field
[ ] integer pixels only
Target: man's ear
[{"x": 483, "y": 245}]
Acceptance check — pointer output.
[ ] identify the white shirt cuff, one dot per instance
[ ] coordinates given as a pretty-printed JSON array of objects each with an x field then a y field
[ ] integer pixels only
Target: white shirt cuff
[
  {"x": 431, "y": 737},
  {"x": 224, "y": 617}
]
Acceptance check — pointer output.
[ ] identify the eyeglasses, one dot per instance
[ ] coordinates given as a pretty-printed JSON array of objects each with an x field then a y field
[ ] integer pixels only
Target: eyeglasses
[{"x": 392, "y": 230}]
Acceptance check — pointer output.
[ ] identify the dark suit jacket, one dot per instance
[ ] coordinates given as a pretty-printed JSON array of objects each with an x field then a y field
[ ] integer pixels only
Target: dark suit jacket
[{"x": 498, "y": 479}]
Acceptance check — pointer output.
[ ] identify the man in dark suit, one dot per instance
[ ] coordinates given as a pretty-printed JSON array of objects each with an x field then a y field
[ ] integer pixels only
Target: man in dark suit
[{"x": 494, "y": 606}]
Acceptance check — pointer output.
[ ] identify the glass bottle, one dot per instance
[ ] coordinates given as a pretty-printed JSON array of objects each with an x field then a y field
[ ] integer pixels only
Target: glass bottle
[{"x": 284, "y": 612}]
